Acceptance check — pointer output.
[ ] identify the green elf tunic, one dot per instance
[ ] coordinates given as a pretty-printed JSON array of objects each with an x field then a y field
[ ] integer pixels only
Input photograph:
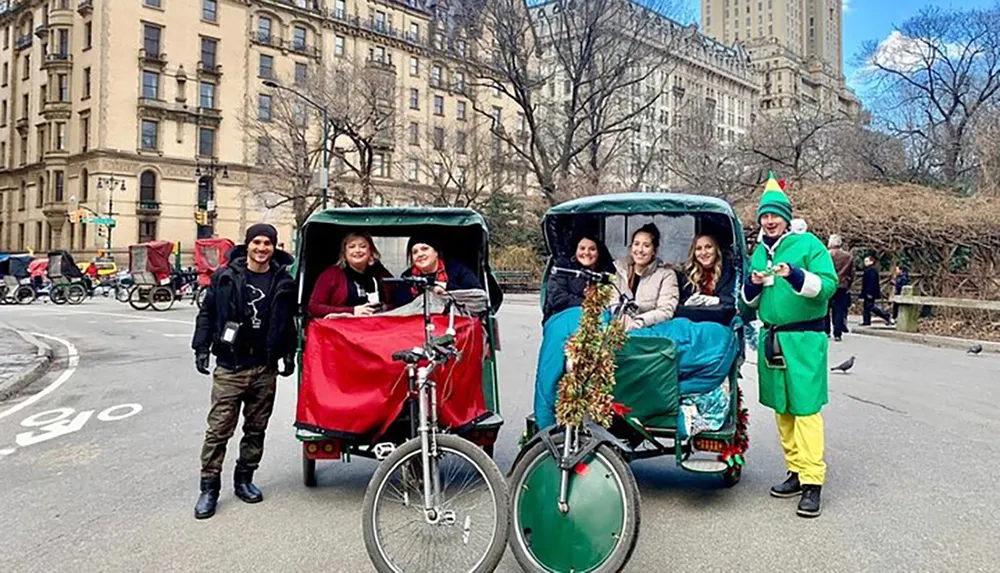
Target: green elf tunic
[{"x": 800, "y": 388}]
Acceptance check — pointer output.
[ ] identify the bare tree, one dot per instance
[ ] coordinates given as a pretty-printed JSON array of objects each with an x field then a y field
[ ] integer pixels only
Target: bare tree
[
  {"x": 932, "y": 79},
  {"x": 798, "y": 144},
  {"x": 581, "y": 75}
]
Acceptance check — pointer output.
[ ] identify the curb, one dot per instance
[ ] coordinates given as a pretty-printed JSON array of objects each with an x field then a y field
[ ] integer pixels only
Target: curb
[
  {"x": 926, "y": 339},
  {"x": 29, "y": 374}
]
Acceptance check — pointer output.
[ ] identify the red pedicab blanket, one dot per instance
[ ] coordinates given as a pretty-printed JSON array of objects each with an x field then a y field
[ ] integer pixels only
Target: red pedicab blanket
[{"x": 351, "y": 387}]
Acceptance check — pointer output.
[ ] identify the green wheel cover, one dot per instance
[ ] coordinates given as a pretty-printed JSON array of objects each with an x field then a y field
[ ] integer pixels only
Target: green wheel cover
[{"x": 582, "y": 539}]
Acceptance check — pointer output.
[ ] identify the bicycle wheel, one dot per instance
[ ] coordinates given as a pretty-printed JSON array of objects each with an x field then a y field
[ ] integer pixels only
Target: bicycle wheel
[
  {"x": 122, "y": 293},
  {"x": 24, "y": 295},
  {"x": 75, "y": 294},
  {"x": 138, "y": 297},
  {"x": 57, "y": 295},
  {"x": 161, "y": 298},
  {"x": 603, "y": 517},
  {"x": 471, "y": 535}
]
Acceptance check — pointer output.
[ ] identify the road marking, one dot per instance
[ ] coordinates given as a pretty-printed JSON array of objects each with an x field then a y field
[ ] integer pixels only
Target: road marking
[
  {"x": 74, "y": 361},
  {"x": 177, "y": 335},
  {"x": 7, "y": 451},
  {"x": 129, "y": 318}
]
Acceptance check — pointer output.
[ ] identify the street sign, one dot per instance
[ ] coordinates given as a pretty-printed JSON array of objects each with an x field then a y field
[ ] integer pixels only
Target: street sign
[{"x": 103, "y": 221}]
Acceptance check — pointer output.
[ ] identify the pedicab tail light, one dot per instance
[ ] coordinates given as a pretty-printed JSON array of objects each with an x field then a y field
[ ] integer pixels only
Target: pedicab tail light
[
  {"x": 496, "y": 335},
  {"x": 708, "y": 445}
]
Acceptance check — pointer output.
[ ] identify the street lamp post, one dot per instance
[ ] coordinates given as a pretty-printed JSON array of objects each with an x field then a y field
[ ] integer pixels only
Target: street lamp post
[
  {"x": 112, "y": 184},
  {"x": 324, "y": 179},
  {"x": 211, "y": 169}
]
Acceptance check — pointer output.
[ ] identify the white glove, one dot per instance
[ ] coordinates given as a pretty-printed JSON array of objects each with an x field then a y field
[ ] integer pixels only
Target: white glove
[{"x": 702, "y": 300}]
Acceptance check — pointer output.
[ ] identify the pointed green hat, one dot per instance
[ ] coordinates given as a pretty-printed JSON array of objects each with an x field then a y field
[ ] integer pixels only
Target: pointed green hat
[{"x": 774, "y": 201}]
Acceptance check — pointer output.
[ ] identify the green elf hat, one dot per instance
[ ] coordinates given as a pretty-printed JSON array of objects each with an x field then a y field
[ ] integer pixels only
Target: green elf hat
[{"x": 774, "y": 201}]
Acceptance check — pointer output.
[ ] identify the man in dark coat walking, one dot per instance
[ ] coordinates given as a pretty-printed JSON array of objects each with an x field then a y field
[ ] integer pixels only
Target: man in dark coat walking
[
  {"x": 871, "y": 290},
  {"x": 247, "y": 321},
  {"x": 843, "y": 262}
]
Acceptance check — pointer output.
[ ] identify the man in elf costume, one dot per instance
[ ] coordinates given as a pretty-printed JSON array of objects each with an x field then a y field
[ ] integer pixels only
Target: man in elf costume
[{"x": 792, "y": 279}]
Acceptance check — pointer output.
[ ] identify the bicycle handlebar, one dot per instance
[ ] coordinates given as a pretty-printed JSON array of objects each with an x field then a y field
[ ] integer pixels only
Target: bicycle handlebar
[{"x": 586, "y": 274}]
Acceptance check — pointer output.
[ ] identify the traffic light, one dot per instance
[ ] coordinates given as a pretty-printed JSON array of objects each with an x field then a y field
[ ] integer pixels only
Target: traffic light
[
  {"x": 201, "y": 217},
  {"x": 74, "y": 216}
]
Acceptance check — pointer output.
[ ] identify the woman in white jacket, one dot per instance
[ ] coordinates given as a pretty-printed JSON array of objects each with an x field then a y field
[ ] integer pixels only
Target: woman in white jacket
[{"x": 643, "y": 275}]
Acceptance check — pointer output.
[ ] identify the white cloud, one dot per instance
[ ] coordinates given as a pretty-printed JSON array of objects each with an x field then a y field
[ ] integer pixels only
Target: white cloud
[{"x": 846, "y": 6}]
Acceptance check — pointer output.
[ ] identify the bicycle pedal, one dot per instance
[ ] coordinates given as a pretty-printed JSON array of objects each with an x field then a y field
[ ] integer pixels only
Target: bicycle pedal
[{"x": 384, "y": 450}]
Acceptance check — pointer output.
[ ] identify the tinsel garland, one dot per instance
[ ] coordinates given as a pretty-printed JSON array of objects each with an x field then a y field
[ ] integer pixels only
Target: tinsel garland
[
  {"x": 733, "y": 454},
  {"x": 587, "y": 387}
]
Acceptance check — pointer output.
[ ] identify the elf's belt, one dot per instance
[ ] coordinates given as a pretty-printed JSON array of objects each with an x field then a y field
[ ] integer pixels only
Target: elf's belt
[{"x": 772, "y": 349}]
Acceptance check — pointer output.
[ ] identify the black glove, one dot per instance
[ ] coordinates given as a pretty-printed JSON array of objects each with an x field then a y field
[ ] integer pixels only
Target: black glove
[
  {"x": 288, "y": 367},
  {"x": 201, "y": 362}
]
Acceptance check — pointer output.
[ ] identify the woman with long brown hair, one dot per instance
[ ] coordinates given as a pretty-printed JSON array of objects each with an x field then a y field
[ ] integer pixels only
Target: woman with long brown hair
[
  {"x": 707, "y": 280},
  {"x": 354, "y": 284}
]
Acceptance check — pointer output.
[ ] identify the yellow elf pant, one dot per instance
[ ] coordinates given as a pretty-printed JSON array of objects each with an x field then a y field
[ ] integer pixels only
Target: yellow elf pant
[{"x": 802, "y": 440}]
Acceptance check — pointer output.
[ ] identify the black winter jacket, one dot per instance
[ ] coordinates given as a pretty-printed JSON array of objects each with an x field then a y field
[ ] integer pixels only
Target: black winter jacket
[
  {"x": 564, "y": 291},
  {"x": 870, "y": 287},
  {"x": 224, "y": 302},
  {"x": 460, "y": 277}
]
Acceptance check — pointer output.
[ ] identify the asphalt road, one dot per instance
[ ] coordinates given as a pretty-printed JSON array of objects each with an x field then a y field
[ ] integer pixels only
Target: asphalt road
[{"x": 912, "y": 446}]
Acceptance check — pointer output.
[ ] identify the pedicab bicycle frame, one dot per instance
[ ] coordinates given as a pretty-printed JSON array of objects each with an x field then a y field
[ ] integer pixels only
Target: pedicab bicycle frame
[
  {"x": 318, "y": 248},
  {"x": 68, "y": 282},
  {"x": 152, "y": 273},
  {"x": 16, "y": 287},
  {"x": 564, "y": 514},
  {"x": 209, "y": 255}
]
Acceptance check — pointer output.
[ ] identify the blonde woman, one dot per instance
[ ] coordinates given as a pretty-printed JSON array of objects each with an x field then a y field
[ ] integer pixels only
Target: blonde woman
[
  {"x": 706, "y": 280},
  {"x": 354, "y": 284},
  {"x": 643, "y": 275}
]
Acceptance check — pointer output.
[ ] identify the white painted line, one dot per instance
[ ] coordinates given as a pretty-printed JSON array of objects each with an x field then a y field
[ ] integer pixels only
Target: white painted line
[
  {"x": 74, "y": 361},
  {"x": 128, "y": 318},
  {"x": 7, "y": 451},
  {"x": 177, "y": 335}
]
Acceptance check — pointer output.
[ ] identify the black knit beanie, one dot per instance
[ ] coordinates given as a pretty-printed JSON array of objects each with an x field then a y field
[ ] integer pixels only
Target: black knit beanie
[{"x": 262, "y": 229}]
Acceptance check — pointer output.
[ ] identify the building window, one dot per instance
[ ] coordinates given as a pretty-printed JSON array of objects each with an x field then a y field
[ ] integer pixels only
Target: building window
[
  {"x": 298, "y": 114},
  {"x": 414, "y": 32},
  {"x": 24, "y": 149},
  {"x": 84, "y": 133},
  {"x": 151, "y": 40},
  {"x": 6, "y": 73},
  {"x": 26, "y": 73},
  {"x": 436, "y": 76},
  {"x": 88, "y": 35},
  {"x": 438, "y": 139},
  {"x": 25, "y": 105},
  {"x": 460, "y": 111},
  {"x": 380, "y": 165},
  {"x": 264, "y": 29},
  {"x": 58, "y": 186},
  {"x": 338, "y": 46},
  {"x": 266, "y": 69},
  {"x": 299, "y": 38},
  {"x": 264, "y": 107},
  {"x": 38, "y": 236},
  {"x": 460, "y": 141},
  {"x": 209, "y": 49},
  {"x": 301, "y": 73},
  {"x": 210, "y": 10},
  {"x": 438, "y": 105},
  {"x": 62, "y": 88},
  {"x": 86, "y": 83},
  {"x": 206, "y": 92},
  {"x": 150, "y": 85},
  {"x": 84, "y": 186},
  {"x": 150, "y": 135},
  {"x": 206, "y": 142},
  {"x": 40, "y": 192},
  {"x": 414, "y": 134},
  {"x": 413, "y": 171},
  {"x": 147, "y": 187},
  {"x": 147, "y": 231},
  {"x": 61, "y": 136},
  {"x": 414, "y": 98},
  {"x": 263, "y": 150},
  {"x": 414, "y": 66},
  {"x": 62, "y": 42},
  {"x": 3, "y": 113},
  {"x": 497, "y": 117},
  {"x": 459, "y": 81},
  {"x": 152, "y": 3}
]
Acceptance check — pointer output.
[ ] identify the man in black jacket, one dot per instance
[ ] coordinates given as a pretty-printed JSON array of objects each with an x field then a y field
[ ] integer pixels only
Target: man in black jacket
[
  {"x": 871, "y": 290},
  {"x": 247, "y": 321}
]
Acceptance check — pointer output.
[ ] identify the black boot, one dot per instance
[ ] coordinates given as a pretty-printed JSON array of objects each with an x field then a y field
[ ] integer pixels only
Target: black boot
[
  {"x": 209, "y": 498},
  {"x": 244, "y": 487},
  {"x": 788, "y": 488},
  {"x": 809, "y": 505}
]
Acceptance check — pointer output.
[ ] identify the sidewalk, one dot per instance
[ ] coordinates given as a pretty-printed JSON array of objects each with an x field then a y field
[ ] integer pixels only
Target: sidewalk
[
  {"x": 880, "y": 329},
  {"x": 23, "y": 359}
]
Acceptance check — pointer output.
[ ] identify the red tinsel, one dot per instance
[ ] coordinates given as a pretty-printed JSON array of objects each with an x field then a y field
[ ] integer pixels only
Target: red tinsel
[{"x": 733, "y": 453}]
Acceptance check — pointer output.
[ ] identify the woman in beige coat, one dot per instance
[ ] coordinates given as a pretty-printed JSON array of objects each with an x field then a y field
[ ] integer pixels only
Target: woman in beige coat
[{"x": 653, "y": 285}]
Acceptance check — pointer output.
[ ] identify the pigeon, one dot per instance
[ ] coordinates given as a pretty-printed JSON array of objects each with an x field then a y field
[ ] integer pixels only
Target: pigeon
[
  {"x": 975, "y": 349},
  {"x": 844, "y": 366}
]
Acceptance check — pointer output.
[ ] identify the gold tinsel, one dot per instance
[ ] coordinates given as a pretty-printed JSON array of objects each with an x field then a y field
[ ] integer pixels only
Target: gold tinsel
[{"x": 587, "y": 387}]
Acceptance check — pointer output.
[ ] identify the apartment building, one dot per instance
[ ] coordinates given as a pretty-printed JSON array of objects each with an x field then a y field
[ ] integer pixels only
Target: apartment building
[
  {"x": 797, "y": 47},
  {"x": 137, "y": 110}
]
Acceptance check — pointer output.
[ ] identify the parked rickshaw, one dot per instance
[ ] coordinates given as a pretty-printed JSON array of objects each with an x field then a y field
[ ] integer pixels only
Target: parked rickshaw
[
  {"x": 69, "y": 283},
  {"x": 152, "y": 274},
  {"x": 574, "y": 501},
  {"x": 209, "y": 255},
  {"x": 16, "y": 285},
  {"x": 390, "y": 387}
]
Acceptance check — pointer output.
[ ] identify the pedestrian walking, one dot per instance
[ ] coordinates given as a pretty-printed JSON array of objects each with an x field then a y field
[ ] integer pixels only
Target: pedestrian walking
[
  {"x": 900, "y": 280},
  {"x": 246, "y": 321},
  {"x": 791, "y": 283},
  {"x": 871, "y": 291},
  {"x": 843, "y": 263}
]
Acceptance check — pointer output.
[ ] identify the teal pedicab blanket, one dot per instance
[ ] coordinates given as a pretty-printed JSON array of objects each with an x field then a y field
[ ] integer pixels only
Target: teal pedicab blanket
[{"x": 656, "y": 366}]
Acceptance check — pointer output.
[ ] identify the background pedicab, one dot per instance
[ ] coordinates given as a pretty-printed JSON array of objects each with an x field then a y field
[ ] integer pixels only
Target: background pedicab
[
  {"x": 152, "y": 274},
  {"x": 574, "y": 502},
  {"x": 69, "y": 283},
  {"x": 357, "y": 398},
  {"x": 209, "y": 255},
  {"x": 16, "y": 287}
]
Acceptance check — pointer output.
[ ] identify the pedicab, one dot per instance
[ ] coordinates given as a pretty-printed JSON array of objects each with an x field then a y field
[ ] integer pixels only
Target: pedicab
[
  {"x": 574, "y": 502},
  {"x": 69, "y": 283},
  {"x": 209, "y": 255},
  {"x": 414, "y": 387},
  {"x": 16, "y": 286},
  {"x": 152, "y": 275}
]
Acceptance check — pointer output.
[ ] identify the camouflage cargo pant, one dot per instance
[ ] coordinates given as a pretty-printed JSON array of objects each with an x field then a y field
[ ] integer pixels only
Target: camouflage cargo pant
[{"x": 252, "y": 388}]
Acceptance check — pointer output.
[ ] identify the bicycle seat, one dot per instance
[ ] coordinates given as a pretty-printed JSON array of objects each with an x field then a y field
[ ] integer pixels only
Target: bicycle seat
[{"x": 406, "y": 356}]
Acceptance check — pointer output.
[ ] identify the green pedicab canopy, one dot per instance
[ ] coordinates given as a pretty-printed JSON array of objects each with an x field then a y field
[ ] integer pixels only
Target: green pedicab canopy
[{"x": 628, "y": 203}]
